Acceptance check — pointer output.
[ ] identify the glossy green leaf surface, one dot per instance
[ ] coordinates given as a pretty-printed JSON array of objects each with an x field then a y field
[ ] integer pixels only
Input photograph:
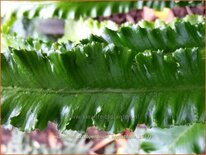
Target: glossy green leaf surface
[
  {"x": 186, "y": 32},
  {"x": 31, "y": 44},
  {"x": 180, "y": 35},
  {"x": 144, "y": 34},
  {"x": 109, "y": 87},
  {"x": 74, "y": 10}
]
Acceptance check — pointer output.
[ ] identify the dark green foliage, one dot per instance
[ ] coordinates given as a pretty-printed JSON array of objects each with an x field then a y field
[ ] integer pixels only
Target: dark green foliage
[{"x": 76, "y": 88}]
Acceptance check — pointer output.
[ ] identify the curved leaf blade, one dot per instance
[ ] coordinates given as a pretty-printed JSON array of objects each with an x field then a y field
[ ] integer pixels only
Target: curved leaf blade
[
  {"x": 102, "y": 81},
  {"x": 75, "y": 10},
  {"x": 182, "y": 35}
]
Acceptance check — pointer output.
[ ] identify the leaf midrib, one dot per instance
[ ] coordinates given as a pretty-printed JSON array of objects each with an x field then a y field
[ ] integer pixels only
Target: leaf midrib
[
  {"x": 181, "y": 135},
  {"x": 105, "y": 90}
]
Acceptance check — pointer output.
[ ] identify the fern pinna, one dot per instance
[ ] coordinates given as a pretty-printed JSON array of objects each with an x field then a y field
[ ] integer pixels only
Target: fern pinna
[{"x": 149, "y": 74}]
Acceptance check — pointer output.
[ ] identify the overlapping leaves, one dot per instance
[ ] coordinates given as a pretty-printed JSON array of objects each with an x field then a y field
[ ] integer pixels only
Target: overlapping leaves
[
  {"x": 148, "y": 73},
  {"x": 186, "y": 32}
]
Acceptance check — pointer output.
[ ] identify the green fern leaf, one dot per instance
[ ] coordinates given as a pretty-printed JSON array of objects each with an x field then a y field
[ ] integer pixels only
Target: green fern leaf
[
  {"x": 96, "y": 84},
  {"x": 182, "y": 35},
  {"x": 75, "y": 10}
]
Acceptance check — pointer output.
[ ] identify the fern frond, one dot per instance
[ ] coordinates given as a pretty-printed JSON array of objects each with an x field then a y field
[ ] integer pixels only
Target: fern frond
[{"x": 96, "y": 84}]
